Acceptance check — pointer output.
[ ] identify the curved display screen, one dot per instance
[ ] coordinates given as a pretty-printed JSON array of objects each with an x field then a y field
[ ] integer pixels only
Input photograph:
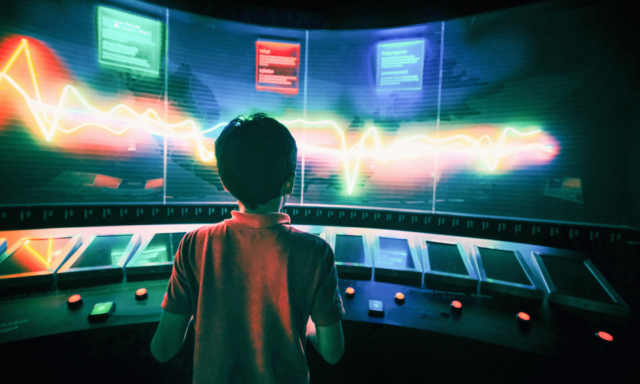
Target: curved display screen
[{"x": 500, "y": 114}]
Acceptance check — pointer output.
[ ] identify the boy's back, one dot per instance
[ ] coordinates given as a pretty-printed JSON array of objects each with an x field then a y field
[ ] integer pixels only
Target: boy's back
[{"x": 251, "y": 283}]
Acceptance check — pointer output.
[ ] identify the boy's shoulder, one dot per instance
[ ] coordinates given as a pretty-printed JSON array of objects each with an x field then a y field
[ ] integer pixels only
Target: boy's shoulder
[
  {"x": 204, "y": 230},
  {"x": 297, "y": 234},
  {"x": 309, "y": 239}
]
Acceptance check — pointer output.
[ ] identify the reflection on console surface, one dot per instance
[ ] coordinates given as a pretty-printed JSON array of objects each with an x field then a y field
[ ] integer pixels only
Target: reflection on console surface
[
  {"x": 33, "y": 260},
  {"x": 396, "y": 261},
  {"x": 100, "y": 260},
  {"x": 154, "y": 259}
]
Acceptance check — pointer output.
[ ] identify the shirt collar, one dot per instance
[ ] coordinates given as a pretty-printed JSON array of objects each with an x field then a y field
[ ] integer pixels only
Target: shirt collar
[{"x": 255, "y": 220}]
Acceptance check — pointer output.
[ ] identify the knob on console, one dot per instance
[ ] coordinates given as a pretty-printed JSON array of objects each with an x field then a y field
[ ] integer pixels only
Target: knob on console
[
  {"x": 604, "y": 336},
  {"x": 141, "y": 294},
  {"x": 350, "y": 292},
  {"x": 74, "y": 301}
]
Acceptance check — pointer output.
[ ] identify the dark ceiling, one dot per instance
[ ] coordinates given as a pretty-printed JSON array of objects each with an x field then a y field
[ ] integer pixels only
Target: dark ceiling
[{"x": 345, "y": 14}]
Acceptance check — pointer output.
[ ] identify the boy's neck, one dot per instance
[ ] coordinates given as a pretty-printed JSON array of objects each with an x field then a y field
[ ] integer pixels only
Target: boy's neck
[{"x": 272, "y": 206}]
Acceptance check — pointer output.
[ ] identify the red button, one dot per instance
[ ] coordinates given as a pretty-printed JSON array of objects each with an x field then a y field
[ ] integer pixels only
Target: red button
[
  {"x": 524, "y": 316},
  {"x": 75, "y": 298},
  {"x": 141, "y": 294},
  {"x": 399, "y": 299},
  {"x": 74, "y": 301},
  {"x": 350, "y": 292},
  {"x": 605, "y": 336},
  {"x": 456, "y": 304}
]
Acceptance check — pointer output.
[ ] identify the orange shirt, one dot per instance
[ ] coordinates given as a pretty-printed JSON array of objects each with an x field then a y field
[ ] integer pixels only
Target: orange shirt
[{"x": 251, "y": 283}]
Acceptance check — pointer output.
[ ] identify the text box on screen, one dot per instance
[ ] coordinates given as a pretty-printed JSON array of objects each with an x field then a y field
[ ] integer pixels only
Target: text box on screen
[
  {"x": 277, "y": 67},
  {"x": 400, "y": 65},
  {"x": 128, "y": 41}
]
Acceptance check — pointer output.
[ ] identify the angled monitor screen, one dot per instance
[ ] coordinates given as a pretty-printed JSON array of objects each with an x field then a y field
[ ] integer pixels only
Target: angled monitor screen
[
  {"x": 503, "y": 265},
  {"x": 394, "y": 254},
  {"x": 573, "y": 278},
  {"x": 161, "y": 249},
  {"x": 103, "y": 251},
  {"x": 349, "y": 249},
  {"x": 33, "y": 256},
  {"x": 446, "y": 258}
]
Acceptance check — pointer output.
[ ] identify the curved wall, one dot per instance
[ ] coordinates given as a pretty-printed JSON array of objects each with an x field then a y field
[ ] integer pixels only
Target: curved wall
[{"x": 522, "y": 113}]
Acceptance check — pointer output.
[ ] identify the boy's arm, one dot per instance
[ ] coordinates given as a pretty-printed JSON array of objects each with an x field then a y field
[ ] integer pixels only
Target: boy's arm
[
  {"x": 169, "y": 336},
  {"x": 312, "y": 336},
  {"x": 327, "y": 310},
  {"x": 328, "y": 341}
]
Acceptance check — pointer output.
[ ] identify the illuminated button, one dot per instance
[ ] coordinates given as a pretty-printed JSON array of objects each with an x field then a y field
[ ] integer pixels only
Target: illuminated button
[
  {"x": 102, "y": 311},
  {"x": 350, "y": 292},
  {"x": 456, "y": 306},
  {"x": 399, "y": 299},
  {"x": 524, "y": 322},
  {"x": 376, "y": 308},
  {"x": 74, "y": 301},
  {"x": 141, "y": 294},
  {"x": 604, "y": 336}
]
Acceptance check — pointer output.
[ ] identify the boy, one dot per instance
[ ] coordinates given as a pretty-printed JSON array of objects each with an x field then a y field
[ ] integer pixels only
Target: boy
[{"x": 256, "y": 287}]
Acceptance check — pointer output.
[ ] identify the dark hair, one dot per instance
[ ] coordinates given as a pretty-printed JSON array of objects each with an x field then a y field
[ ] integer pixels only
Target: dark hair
[{"x": 255, "y": 156}]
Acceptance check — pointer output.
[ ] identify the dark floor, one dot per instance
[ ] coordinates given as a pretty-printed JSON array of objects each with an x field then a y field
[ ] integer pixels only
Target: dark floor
[{"x": 373, "y": 354}]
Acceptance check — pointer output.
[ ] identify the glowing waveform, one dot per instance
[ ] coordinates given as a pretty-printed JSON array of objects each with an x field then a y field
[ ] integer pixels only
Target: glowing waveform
[
  {"x": 402, "y": 149},
  {"x": 48, "y": 123}
]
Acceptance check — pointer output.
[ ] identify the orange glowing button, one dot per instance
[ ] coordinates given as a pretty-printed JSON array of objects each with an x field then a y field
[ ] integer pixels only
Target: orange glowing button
[
  {"x": 141, "y": 294},
  {"x": 605, "y": 336},
  {"x": 350, "y": 292},
  {"x": 75, "y": 298},
  {"x": 524, "y": 316},
  {"x": 74, "y": 301},
  {"x": 400, "y": 296},
  {"x": 456, "y": 304}
]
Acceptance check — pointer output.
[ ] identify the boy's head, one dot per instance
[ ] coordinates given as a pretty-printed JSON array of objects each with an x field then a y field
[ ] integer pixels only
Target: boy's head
[{"x": 255, "y": 156}]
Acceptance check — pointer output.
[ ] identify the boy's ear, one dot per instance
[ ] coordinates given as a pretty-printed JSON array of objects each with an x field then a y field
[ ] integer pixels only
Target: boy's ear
[
  {"x": 287, "y": 186},
  {"x": 225, "y": 188}
]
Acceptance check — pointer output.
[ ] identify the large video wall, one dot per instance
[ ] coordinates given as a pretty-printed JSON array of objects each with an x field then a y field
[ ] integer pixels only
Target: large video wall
[{"x": 517, "y": 113}]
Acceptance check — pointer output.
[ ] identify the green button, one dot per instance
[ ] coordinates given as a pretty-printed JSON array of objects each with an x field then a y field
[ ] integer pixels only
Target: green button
[{"x": 102, "y": 311}]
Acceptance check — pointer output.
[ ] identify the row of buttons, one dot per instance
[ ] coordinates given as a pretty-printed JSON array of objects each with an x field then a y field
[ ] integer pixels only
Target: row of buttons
[
  {"x": 376, "y": 309},
  {"x": 102, "y": 311}
]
